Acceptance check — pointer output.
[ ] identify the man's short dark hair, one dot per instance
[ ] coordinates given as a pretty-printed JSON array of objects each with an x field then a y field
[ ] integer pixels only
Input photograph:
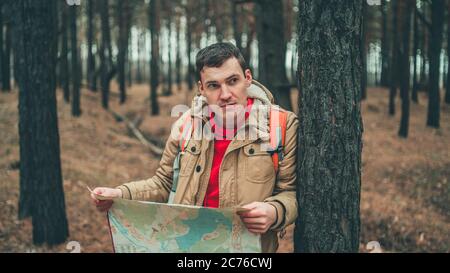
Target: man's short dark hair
[{"x": 216, "y": 54}]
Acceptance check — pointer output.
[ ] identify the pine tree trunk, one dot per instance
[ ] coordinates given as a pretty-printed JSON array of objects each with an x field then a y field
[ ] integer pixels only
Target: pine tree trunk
[
  {"x": 447, "y": 88},
  {"x": 178, "y": 57},
  {"x": 272, "y": 51},
  {"x": 407, "y": 7},
  {"x": 168, "y": 89},
  {"x": 65, "y": 75},
  {"x": 154, "y": 69},
  {"x": 414, "y": 95},
  {"x": 1, "y": 46},
  {"x": 329, "y": 171},
  {"x": 123, "y": 15},
  {"x": 364, "y": 55},
  {"x": 384, "y": 46},
  {"x": 7, "y": 58},
  {"x": 435, "y": 46},
  {"x": 107, "y": 69},
  {"x": 41, "y": 187},
  {"x": 394, "y": 73},
  {"x": 76, "y": 109},
  {"x": 190, "y": 69},
  {"x": 91, "y": 75}
]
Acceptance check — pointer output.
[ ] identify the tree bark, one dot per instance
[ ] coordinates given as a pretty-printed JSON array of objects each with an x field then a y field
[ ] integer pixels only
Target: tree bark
[
  {"x": 41, "y": 187},
  {"x": 123, "y": 15},
  {"x": 154, "y": 69},
  {"x": 272, "y": 51},
  {"x": 64, "y": 74},
  {"x": 414, "y": 95},
  {"x": 76, "y": 109},
  {"x": 330, "y": 131},
  {"x": 447, "y": 88},
  {"x": 107, "y": 68},
  {"x": 6, "y": 57},
  {"x": 394, "y": 73},
  {"x": 407, "y": 7},
  {"x": 435, "y": 46},
  {"x": 384, "y": 46},
  {"x": 91, "y": 75},
  {"x": 364, "y": 54}
]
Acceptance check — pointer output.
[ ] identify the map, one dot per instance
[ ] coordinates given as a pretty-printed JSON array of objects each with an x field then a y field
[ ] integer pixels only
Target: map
[{"x": 138, "y": 226}]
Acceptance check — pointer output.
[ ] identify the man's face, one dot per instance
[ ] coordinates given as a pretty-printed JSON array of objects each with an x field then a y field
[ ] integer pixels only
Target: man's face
[{"x": 225, "y": 89}]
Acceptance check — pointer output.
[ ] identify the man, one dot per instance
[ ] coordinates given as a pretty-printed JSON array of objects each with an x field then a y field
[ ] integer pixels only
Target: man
[{"x": 233, "y": 166}]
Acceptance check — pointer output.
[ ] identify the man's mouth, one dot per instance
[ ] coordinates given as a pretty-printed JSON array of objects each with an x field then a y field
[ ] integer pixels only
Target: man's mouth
[{"x": 228, "y": 105}]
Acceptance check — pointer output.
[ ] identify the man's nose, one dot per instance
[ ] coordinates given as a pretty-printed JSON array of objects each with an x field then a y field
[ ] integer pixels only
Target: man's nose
[{"x": 225, "y": 93}]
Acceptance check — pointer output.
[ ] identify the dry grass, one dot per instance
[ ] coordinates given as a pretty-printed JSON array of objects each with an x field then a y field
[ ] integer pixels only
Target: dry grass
[{"x": 405, "y": 189}]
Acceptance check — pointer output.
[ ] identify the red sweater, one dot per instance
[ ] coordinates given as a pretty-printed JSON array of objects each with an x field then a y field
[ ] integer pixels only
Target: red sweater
[{"x": 220, "y": 146}]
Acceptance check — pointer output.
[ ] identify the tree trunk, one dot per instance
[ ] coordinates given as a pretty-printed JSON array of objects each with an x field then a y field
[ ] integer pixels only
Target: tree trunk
[
  {"x": 190, "y": 69},
  {"x": 364, "y": 54},
  {"x": 272, "y": 51},
  {"x": 178, "y": 57},
  {"x": 168, "y": 89},
  {"x": 76, "y": 110},
  {"x": 394, "y": 65},
  {"x": 384, "y": 46},
  {"x": 414, "y": 95},
  {"x": 435, "y": 45},
  {"x": 407, "y": 7},
  {"x": 330, "y": 131},
  {"x": 1, "y": 46},
  {"x": 106, "y": 65},
  {"x": 447, "y": 89},
  {"x": 41, "y": 187},
  {"x": 6, "y": 56},
  {"x": 154, "y": 69},
  {"x": 65, "y": 74},
  {"x": 123, "y": 15},
  {"x": 91, "y": 75}
]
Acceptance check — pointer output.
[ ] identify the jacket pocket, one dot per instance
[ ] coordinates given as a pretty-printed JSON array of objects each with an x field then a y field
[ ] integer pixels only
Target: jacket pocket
[
  {"x": 258, "y": 165},
  {"x": 189, "y": 158}
]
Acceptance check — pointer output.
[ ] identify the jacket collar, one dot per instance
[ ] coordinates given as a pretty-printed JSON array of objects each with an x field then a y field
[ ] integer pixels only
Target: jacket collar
[{"x": 256, "y": 125}]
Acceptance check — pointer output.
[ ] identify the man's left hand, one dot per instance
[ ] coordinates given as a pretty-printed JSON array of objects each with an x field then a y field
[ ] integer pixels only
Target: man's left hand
[{"x": 260, "y": 217}]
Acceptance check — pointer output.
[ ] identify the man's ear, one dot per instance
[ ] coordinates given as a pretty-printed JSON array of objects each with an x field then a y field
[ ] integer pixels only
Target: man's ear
[
  {"x": 248, "y": 77},
  {"x": 201, "y": 90}
]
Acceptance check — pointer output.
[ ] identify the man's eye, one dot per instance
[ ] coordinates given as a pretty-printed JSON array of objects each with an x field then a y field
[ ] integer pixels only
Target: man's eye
[
  {"x": 212, "y": 86},
  {"x": 233, "y": 81}
]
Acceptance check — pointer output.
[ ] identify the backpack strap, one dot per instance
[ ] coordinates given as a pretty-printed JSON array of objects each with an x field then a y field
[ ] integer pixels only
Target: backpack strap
[
  {"x": 185, "y": 135},
  {"x": 277, "y": 121}
]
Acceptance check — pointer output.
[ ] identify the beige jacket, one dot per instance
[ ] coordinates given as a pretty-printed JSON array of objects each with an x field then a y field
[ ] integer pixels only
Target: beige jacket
[{"x": 246, "y": 175}]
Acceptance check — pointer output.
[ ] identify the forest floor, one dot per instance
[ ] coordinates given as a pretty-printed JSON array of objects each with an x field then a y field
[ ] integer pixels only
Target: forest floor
[{"x": 405, "y": 198}]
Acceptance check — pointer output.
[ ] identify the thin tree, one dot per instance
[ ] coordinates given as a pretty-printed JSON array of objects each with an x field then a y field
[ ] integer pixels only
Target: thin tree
[
  {"x": 407, "y": 6},
  {"x": 154, "y": 67},
  {"x": 435, "y": 45},
  {"x": 123, "y": 16},
  {"x": 41, "y": 187},
  {"x": 107, "y": 67},
  {"x": 394, "y": 63},
  {"x": 64, "y": 57},
  {"x": 447, "y": 89},
  {"x": 90, "y": 71},
  {"x": 272, "y": 51},
  {"x": 76, "y": 79},
  {"x": 414, "y": 96},
  {"x": 384, "y": 46},
  {"x": 329, "y": 170}
]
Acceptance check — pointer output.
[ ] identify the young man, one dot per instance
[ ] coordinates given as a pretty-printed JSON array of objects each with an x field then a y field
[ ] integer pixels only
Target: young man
[{"x": 233, "y": 166}]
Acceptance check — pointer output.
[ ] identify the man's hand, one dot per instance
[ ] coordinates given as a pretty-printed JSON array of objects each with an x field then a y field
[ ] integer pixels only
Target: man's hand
[
  {"x": 260, "y": 217},
  {"x": 105, "y": 205}
]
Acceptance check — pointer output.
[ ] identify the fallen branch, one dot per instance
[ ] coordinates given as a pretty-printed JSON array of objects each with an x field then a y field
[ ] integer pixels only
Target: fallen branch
[{"x": 153, "y": 148}]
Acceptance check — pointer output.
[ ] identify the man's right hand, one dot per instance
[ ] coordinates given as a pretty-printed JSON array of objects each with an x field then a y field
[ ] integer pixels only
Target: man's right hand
[{"x": 105, "y": 205}]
